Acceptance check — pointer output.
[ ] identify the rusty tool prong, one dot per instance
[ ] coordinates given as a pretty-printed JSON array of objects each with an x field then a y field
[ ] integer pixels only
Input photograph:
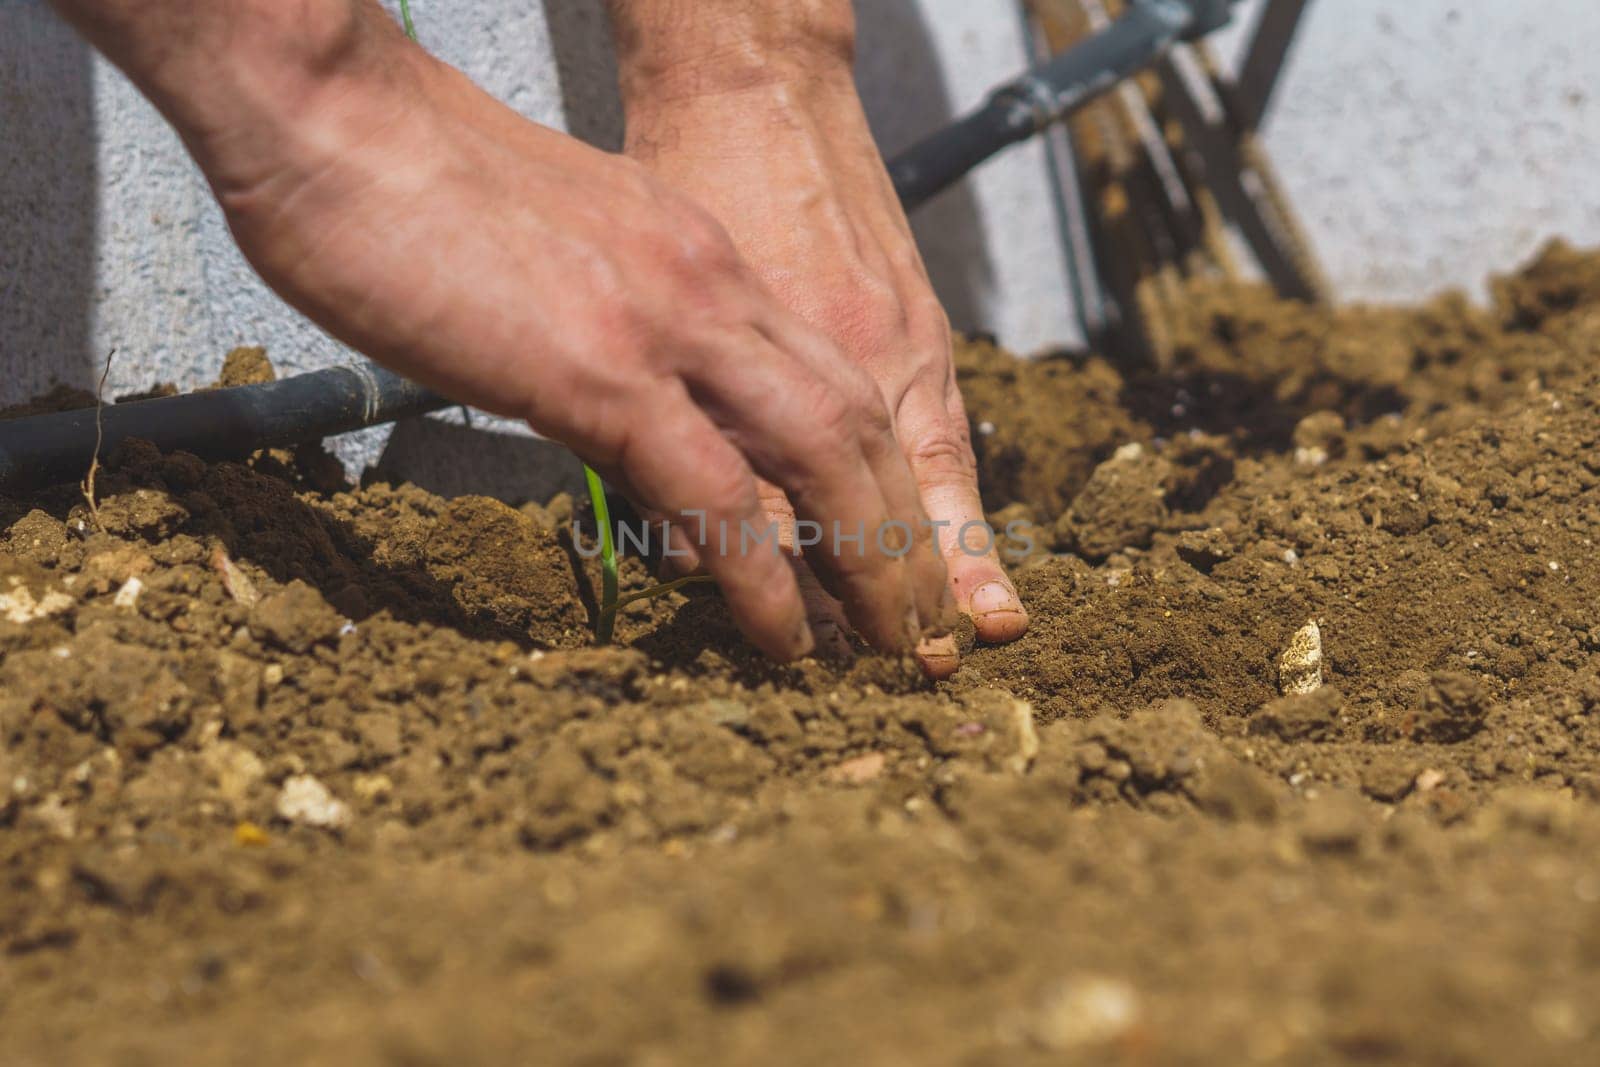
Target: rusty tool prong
[
  {"x": 1244, "y": 192},
  {"x": 1264, "y": 191},
  {"x": 1264, "y": 59}
]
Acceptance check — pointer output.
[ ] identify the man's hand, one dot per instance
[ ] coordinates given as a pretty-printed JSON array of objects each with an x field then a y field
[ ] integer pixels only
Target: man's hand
[
  {"x": 751, "y": 109},
  {"x": 514, "y": 268}
]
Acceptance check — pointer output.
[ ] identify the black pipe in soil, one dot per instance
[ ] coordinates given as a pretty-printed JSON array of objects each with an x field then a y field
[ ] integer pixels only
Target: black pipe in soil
[
  {"x": 44, "y": 449},
  {"x": 1049, "y": 93}
]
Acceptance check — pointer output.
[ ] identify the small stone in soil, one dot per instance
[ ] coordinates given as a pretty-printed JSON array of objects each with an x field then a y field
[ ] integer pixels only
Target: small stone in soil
[
  {"x": 858, "y": 771},
  {"x": 306, "y": 801},
  {"x": 20, "y": 606},
  {"x": 1087, "y": 1010},
  {"x": 128, "y": 595},
  {"x": 1300, "y": 665}
]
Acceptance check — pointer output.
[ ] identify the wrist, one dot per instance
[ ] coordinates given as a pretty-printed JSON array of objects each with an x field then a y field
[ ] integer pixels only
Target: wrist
[
  {"x": 671, "y": 53},
  {"x": 252, "y": 84},
  {"x": 305, "y": 91}
]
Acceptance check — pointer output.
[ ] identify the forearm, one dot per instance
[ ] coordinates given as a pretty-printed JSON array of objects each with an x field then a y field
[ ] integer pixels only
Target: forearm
[
  {"x": 240, "y": 79},
  {"x": 672, "y": 49}
]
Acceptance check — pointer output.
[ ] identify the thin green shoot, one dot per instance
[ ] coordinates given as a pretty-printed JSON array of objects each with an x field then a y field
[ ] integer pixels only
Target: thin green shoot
[
  {"x": 610, "y": 601},
  {"x": 606, "y": 621},
  {"x": 405, "y": 17}
]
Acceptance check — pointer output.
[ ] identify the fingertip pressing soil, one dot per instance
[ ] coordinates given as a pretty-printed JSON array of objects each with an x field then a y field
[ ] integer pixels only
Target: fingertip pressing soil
[{"x": 292, "y": 772}]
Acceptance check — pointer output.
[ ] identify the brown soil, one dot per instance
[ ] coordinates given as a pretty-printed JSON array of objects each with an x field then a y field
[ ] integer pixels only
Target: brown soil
[{"x": 291, "y": 775}]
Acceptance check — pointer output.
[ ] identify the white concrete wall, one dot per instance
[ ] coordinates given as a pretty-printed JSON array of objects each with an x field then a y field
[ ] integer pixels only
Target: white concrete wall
[
  {"x": 1430, "y": 142},
  {"x": 1426, "y": 144}
]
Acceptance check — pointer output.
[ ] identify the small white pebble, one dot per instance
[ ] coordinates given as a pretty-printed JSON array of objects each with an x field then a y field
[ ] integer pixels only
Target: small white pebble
[
  {"x": 55, "y": 816},
  {"x": 347, "y": 629},
  {"x": 128, "y": 595},
  {"x": 1086, "y": 1010},
  {"x": 1429, "y": 780},
  {"x": 1291, "y": 557},
  {"x": 20, "y": 607},
  {"x": 307, "y": 801},
  {"x": 986, "y": 429},
  {"x": 1310, "y": 457},
  {"x": 1554, "y": 566},
  {"x": 1300, "y": 665}
]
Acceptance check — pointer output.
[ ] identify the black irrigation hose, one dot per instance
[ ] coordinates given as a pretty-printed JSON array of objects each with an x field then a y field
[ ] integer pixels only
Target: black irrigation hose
[
  {"x": 1049, "y": 93},
  {"x": 47, "y": 449}
]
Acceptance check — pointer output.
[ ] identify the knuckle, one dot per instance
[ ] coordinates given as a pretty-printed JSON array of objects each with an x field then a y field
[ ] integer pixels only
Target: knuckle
[
  {"x": 725, "y": 488},
  {"x": 619, "y": 326},
  {"x": 906, "y": 259},
  {"x": 872, "y": 416},
  {"x": 859, "y": 393},
  {"x": 702, "y": 245},
  {"x": 835, "y": 416},
  {"x": 943, "y": 456},
  {"x": 932, "y": 374},
  {"x": 874, "y": 319},
  {"x": 929, "y": 323},
  {"x": 955, "y": 406},
  {"x": 871, "y": 315},
  {"x": 876, "y": 302}
]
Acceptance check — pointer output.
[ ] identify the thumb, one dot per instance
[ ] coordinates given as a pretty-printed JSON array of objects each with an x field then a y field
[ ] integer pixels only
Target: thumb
[{"x": 939, "y": 451}]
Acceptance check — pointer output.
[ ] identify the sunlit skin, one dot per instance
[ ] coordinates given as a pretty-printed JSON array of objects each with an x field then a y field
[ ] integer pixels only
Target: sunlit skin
[{"x": 729, "y": 317}]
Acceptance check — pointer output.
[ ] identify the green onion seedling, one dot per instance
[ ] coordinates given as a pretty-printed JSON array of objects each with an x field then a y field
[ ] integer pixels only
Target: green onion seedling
[
  {"x": 610, "y": 601},
  {"x": 607, "y": 619}
]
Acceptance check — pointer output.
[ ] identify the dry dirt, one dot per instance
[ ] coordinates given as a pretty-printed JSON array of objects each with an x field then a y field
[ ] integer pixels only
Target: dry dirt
[{"x": 291, "y": 773}]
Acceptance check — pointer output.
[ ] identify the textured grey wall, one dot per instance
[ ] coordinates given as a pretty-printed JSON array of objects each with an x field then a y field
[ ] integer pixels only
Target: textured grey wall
[
  {"x": 1430, "y": 142},
  {"x": 1426, "y": 144}
]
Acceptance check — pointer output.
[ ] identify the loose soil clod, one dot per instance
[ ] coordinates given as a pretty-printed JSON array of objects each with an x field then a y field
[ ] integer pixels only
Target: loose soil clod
[{"x": 345, "y": 783}]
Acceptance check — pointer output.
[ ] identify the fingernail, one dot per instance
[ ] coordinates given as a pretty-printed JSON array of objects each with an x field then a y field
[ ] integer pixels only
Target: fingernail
[
  {"x": 913, "y": 623},
  {"x": 997, "y": 613},
  {"x": 994, "y": 597},
  {"x": 938, "y": 657}
]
